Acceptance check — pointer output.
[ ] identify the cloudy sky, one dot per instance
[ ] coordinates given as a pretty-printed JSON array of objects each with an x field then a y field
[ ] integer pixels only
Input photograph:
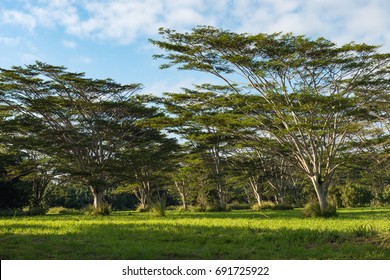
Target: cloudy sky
[{"x": 109, "y": 38}]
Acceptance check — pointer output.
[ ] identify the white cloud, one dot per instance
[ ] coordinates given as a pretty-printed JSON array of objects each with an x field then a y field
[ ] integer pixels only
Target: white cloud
[
  {"x": 162, "y": 86},
  {"x": 19, "y": 18},
  {"x": 82, "y": 59},
  {"x": 10, "y": 41},
  {"x": 123, "y": 21},
  {"x": 69, "y": 44},
  {"x": 27, "y": 58}
]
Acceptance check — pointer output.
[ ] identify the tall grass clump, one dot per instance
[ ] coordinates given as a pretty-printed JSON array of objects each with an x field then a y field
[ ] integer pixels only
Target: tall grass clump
[
  {"x": 269, "y": 205},
  {"x": 312, "y": 210},
  {"x": 159, "y": 205},
  {"x": 36, "y": 211},
  {"x": 60, "y": 210},
  {"x": 104, "y": 210}
]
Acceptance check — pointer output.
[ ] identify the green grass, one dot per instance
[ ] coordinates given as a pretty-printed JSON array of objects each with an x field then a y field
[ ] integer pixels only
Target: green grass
[{"x": 245, "y": 234}]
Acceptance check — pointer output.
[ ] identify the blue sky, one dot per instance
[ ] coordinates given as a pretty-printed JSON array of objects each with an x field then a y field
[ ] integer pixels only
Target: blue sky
[{"x": 109, "y": 38}]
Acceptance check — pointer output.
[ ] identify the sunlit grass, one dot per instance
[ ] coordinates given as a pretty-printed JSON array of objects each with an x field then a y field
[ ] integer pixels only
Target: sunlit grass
[{"x": 354, "y": 234}]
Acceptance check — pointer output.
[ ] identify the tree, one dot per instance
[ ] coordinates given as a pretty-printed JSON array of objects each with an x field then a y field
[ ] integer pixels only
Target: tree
[
  {"x": 199, "y": 116},
  {"x": 36, "y": 170},
  {"x": 83, "y": 123},
  {"x": 311, "y": 96},
  {"x": 190, "y": 176},
  {"x": 147, "y": 167},
  {"x": 14, "y": 193}
]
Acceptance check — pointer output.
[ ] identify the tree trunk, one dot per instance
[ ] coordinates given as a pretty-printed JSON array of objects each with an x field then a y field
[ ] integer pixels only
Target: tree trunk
[
  {"x": 98, "y": 197},
  {"x": 256, "y": 190},
  {"x": 142, "y": 199},
  {"x": 180, "y": 189},
  {"x": 321, "y": 193},
  {"x": 184, "y": 202},
  {"x": 221, "y": 194}
]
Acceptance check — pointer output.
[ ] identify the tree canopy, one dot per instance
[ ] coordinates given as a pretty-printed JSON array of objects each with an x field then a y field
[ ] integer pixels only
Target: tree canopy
[
  {"x": 85, "y": 124},
  {"x": 291, "y": 117},
  {"x": 312, "y": 96}
]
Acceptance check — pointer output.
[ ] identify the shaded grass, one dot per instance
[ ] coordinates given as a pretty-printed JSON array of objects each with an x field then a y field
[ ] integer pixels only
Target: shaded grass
[{"x": 354, "y": 234}]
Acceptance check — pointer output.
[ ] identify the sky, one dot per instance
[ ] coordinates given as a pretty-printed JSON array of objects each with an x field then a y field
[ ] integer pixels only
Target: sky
[{"x": 109, "y": 38}]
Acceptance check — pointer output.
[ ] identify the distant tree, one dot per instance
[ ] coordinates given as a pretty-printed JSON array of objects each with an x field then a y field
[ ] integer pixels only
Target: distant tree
[
  {"x": 82, "y": 123},
  {"x": 38, "y": 172},
  {"x": 190, "y": 178},
  {"x": 355, "y": 195},
  {"x": 311, "y": 96},
  {"x": 146, "y": 167},
  {"x": 199, "y": 117},
  {"x": 14, "y": 193}
]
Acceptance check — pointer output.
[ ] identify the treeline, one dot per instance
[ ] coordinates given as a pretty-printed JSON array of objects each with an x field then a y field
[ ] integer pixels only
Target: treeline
[{"x": 294, "y": 120}]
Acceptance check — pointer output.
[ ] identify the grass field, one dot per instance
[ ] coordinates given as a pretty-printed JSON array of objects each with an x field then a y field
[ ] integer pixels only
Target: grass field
[{"x": 354, "y": 234}]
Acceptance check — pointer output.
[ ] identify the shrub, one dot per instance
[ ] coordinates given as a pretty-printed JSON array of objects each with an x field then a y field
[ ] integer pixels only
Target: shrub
[
  {"x": 239, "y": 206},
  {"x": 312, "y": 209},
  {"x": 197, "y": 208},
  {"x": 174, "y": 208},
  {"x": 386, "y": 194},
  {"x": 269, "y": 205},
  {"x": 266, "y": 205},
  {"x": 282, "y": 206},
  {"x": 36, "y": 211},
  {"x": 334, "y": 194},
  {"x": 63, "y": 211},
  {"x": 103, "y": 210},
  {"x": 141, "y": 208},
  {"x": 355, "y": 195},
  {"x": 216, "y": 208},
  {"x": 14, "y": 194},
  {"x": 11, "y": 212},
  {"x": 159, "y": 205}
]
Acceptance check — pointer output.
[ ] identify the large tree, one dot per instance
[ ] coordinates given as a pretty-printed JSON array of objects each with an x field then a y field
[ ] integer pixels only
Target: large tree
[
  {"x": 311, "y": 96},
  {"x": 85, "y": 124}
]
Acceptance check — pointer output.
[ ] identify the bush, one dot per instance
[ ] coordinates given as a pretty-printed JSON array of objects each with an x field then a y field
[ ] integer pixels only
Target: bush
[
  {"x": 334, "y": 194},
  {"x": 355, "y": 195},
  {"x": 159, "y": 205},
  {"x": 282, "y": 206},
  {"x": 11, "y": 212},
  {"x": 266, "y": 205},
  {"x": 197, "y": 208},
  {"x": 14, "y": 194},
  {"x": 103, "y": 210},
  {"x": 239, "y": 206},
  {"x": 32, "y": 211},
  {"x": 386, "y": 195},
  {"x": 140, "y": 208},
  {"x": 179, "y": 208},
  {"x": 216, "y": 208},
  {"x": 269, "y": 205},
  {"x": 174, "y": 208},
  {"x": 36, "y": 211},
  {"x": 63, "y": 211},
  {"x": 312, "y": 209}
]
